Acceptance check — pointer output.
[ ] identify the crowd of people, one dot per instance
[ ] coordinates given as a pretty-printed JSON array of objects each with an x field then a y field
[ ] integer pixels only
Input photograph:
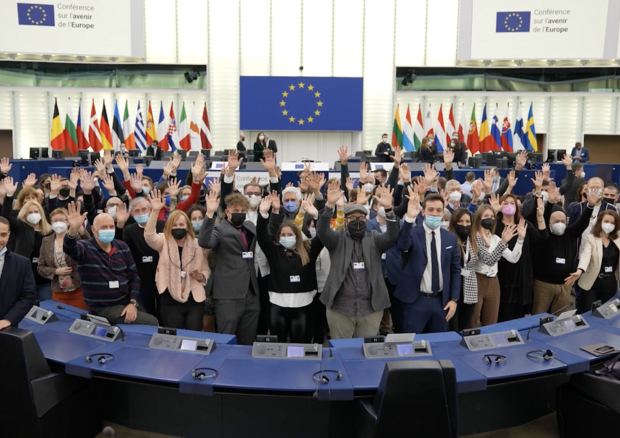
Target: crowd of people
[{"x": 386, "y": 254}]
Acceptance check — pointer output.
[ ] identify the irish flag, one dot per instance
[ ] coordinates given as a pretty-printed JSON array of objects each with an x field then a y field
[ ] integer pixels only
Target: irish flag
[
  {"x": 130, "y": 140},
  {"x": 397, "y": 130},
  {"x": 184, "y": 140},
  {"x": 71, "y": 140},
  {"x": 418, "y": 131},
  {"x": 408, "y": 133},
  {"x": 58, "y": 140}
]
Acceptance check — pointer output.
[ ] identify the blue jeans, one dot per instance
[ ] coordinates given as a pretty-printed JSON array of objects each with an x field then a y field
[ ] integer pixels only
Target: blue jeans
[{"x": 44, "y": 292}]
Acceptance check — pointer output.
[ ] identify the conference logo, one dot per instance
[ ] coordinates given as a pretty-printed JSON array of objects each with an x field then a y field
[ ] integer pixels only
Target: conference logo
[
  {"x": 513, "y": 22},
  {"x": 35, "y": 14}
]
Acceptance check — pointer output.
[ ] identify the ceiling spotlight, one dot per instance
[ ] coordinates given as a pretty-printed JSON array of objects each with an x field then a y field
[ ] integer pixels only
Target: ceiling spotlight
[
  {"x": 191, "y": 75},
  {"x": 409, "y": 77}
]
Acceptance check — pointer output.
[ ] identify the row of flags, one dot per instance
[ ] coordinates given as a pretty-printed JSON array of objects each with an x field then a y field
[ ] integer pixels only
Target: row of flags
[
  {"x": 187, "y": 134},
  {"x": 494, "y": 135}
]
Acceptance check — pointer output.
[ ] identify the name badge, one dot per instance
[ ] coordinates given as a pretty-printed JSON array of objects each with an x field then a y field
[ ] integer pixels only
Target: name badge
[
  {"x": 114, "y": 285},
  {"x": 295, "y": 279},
  {"x": 183, "y": 274},
  {"x": 465, "y": 272},
  {"x": 147, "y": 259},
  {"x": 609, "y": 269},
  {"x": 247, "y": 255},
  {"x": 560, "y": 261},
  {"x": 383, "y": 256},
  {"x": 35, "y": 260},
  {"x": 358, "y": 265}
]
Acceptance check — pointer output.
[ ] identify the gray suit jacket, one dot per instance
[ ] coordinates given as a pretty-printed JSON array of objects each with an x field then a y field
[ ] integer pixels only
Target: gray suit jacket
[
  {"x": 340, "y": 246},
  {"x": 232, "y": 274}
]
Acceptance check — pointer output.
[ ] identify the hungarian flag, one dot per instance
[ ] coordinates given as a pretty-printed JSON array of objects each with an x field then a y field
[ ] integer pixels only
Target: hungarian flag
[
  {"x": 463, "y": 126},
  {"x": 151, "y": 132},
  {"x": 173, "y": 134},
  {"x": 94, "y": 135},
  {"x": 162, "y": 129},
  {"x": 71, "y": 140},
  {"x": 130, "y": 141},
  {"x": 184, "y": 140},
  {"x": 194, "y": 131},
  {"x": 205, "y": 131},
  {"x": 450, "y": 127},
  {"x": 81, "y": 132},
  {"x": 104, "y": 129},
  {"x": 397, "y": 130},
  {"x": 408, "y": 133},
  {"x": 473, "y": 142},
  {"x": 58, "y": 139},
  {"x": 117, "y": 129},
  {"x": 418, "y": 131}
]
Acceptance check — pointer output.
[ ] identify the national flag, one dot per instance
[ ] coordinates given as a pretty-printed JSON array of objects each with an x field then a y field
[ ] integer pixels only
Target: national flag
[
  {"x": 94, "y": 136},
  {"x": 205, "y": 131},
  {"x": 162, "y": 129},
  {"x": 428, "y": 123},
  {"x": 184, "y": 140},
  {"x": 138, "y": 131},
  {"x": 518, "y": 138},
  {"x": 440, "y": 133},
  {"x": 173, "y": 134},
  {"x": 530, "y": 131},
  {"x": 81, "y": 132},
  {"x": 473, "y": 141},
  {"x": 496, "y": 132},
  {"x": 58, "y": 139},
  {"x": 450, "y": 127},
  {"x": 118, "y": 136},
  {"x": 130, "y": 140},
  {"x": 418, "y": 132},
  {"x": 194, "y": 131},
  {"x": 485, "y": 137},
  {"x": 151, "y": 132},
  {"x": 104, "y": 129},
  {"x": 463, "y": 127},
  {"x": 71, "y": 141},
  {"x": 397, "y": 130},
  {"x": 408, "y": 133},
  {"x": 506, "y": 133}
]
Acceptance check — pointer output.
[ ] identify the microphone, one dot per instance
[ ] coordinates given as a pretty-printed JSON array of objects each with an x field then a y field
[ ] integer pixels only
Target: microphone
[
  {"x": 82, "y": 315},
  {"x": 565, "y": 307},
  {"x": 322, "y": 378}
]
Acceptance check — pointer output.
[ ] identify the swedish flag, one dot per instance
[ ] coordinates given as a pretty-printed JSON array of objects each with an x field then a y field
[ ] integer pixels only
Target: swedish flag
[{"x": 35, "y": 14}]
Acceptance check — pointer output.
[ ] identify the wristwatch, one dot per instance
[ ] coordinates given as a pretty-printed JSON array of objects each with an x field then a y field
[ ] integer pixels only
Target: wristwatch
[{"x": 135, "y": 303}]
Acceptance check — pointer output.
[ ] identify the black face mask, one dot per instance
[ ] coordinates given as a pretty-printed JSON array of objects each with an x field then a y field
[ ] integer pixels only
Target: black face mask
[
  {"x": 487, "y": 224},
  {"x": 357, "y": 228},
  {"x": 237, "y": 219},
  {"x": 179, "y": 233},
  {"x": 611, "y": 201},
  {"x": 462, "y": 231},
  {"x": 64, "y": 192}
]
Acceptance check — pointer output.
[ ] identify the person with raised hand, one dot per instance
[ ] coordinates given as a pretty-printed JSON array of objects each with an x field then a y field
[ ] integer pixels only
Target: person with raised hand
[
  {"x": 182, "y": 269},
  {"x": 198, "y": 175}
]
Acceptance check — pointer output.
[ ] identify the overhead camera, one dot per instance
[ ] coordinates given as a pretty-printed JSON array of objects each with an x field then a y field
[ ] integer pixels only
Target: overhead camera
[
  {"x": 192, "y": 75},
  {"x": 409, "y": 77}
]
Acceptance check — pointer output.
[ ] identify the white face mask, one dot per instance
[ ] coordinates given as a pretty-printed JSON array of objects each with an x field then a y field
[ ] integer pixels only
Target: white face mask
[
  {"x": 558, "y": 228},
  {"x": 607, "y": 227},
  {"x": 312, "y": 232},
  {"x": 455, "y": 196},
  {"x": 445, "y": 224},
  {"x": 582, "y": 175},
  {"x": 34, "y": 218},
  {"x": 59, "y": 227},
  {"x": 368, "y": 187},
  {"x": 545, "y": 196},
  {"x": 381, "y": 211},
  {"x": 384, "y": 139},
  {"x": 254, "y": 201},
  {"x": 481, "y": 197},
  {"x": 112, "y": 211},
  {"x": 261, "y": 137}
]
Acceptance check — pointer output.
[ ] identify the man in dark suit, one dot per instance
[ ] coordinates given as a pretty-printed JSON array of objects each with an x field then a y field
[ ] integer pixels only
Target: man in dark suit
[
  {"x": 17, "y": 288},
  {"x": 575, "y": 176},
  {"x": 384, "y": 150},
  {"x": 235, "y": 286},
  {"x": 430, "y": 284},
  {"x": 580, "y": 154},
  {"x": 271, "y": 145},
  {"x": 154, "y": 151},
  {"x": 241, "y": 147}
]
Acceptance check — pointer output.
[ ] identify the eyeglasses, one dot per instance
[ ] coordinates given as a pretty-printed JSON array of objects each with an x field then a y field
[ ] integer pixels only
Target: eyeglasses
[{"x": 354, "y": 218}]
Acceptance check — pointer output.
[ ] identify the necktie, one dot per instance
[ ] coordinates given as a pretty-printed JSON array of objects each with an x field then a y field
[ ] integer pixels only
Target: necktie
[
  {"x": 434, "y": 265},
  {"x": 245, "y": 241}
]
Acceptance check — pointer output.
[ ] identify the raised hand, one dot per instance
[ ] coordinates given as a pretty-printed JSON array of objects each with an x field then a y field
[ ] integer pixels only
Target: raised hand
[
  {"x": 333, "y": 193},
  {"x": 87, "y": 181},
  {"x": 157, "y": 202},
  {"x": 254, "y": 180},
  {"x": 520, "y": 160},
  {"x": 405, "y": 173},
  {"x": 538, "y": 181},
  {"x": 9, "y": 186},
  {"x": 73, "y": 179},
  {"x": 215, "y": 186},
  {"x": 168, "y": 168},
  {"x": 421, "y": 187},
  {"x": 398, "y": 156},
  {"x": 75, "y": 219},
  {"x": 5, "y": 165},
  {"x": 108, "y": 183},
  {"x": 122, "y": 214},
  {"x": 30, "y": 181},
  {"x": 54, "y": 184},
  {"x": 343, "y": 154},
  {"x": 107, "y": 157},
  {"x": 430, "y": 174},
  {"x": 540, "y": 209},
  {"x": 487, "y": 182},
  {"x": 511, "y": 179},
  {"x": 265, "y": 204},
  {"x": 475, "y": 190},
  {"x": 100, "y": 166},
  {"x": 413, "y": 207},
  {"x": 198, "y": 170},
  {"x": 233, "y": 159},
  {"x": 174, "y": 187},
  {"x": 494, "y": 203},
  {"x": 340, "y": 202},
  {"x": 278, "y": 173},
  {"x": 308, "y": 205},
  {"x": 140, "y": 169},
  {"x": 386, "y": 198},
  {"x": 363, "y": 173},
  {"x": 177, "y": 158},
  {"x": 546, "y": 171},
  {"x": 521, "y": 229},
  {"x": 593, "y": 196},
  {"x": 135, "y": 182},
  {"x": 362, "y": 197},
  {"x": 349, "y": 184},
  {"x": 275, "y": 202},
  {"x": 508, "y": 233},
  {"x": 123, "y": 163},
  {"x": 2, "y": 188},
  {"x": 566, "y": 160},
  {"x": 448, "y": 156},
  {"x": 554, "y": 193},
  {"x": 213, "y": 203}
]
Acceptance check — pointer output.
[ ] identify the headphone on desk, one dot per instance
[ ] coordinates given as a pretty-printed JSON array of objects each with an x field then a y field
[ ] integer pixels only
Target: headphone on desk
[
  {"x": 102, "y": 357},
  {"x": 497, "y": 358},
  {"x": 201, "y": 375},
  {"x": 325, "y": 379},
  {"x": 540, "y": 355}
]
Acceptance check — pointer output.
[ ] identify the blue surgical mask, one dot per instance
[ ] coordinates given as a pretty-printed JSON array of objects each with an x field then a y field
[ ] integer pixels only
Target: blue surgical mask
[
  {"x": 106, "y": 236},
  {"x": 494, "y": 179},
  {"x": 288, "y": 242},
  {"x": 290, "y": 206},
  {"x": 184, "y": 198},
  {"x": 146, "y": 190},
  {"x": 167, "y": 200},
  {"x": 433, "y": 222},
  {"x": 196, "y": 225},
  {"x": 142, "y": 218}
]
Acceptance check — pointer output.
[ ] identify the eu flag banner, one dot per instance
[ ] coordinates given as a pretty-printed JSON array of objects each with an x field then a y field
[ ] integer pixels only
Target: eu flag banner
[
  {"x": 35, "y": 14},
  {"x": 513, "y": 22},
  {"x": 281, "y": 103}
]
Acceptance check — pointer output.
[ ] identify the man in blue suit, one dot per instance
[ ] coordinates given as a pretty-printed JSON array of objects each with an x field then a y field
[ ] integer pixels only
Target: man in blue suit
[
  {"x": 580, "y": 154},
  {"x": 430, "y": 284}
]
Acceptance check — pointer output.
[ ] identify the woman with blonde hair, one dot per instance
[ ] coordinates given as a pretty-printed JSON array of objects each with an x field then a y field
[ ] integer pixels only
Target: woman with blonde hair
[{"x": 182, "y": 271}]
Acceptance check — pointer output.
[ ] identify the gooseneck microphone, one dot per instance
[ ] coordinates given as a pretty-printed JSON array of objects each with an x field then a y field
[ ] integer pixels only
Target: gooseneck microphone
[
  {"x": 82, "y": 315},
  {"x": 565, "y": 307},
  {"x": 559, "y": 310}
]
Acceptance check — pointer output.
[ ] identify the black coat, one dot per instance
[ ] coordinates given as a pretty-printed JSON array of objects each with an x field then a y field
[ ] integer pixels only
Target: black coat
[
  {"x": 18, "y": 292},
  {"x": 149, "y": 152},
  {"x": 21, "y": 231},
  {"x": 380, "y": 152},
  {"x": 426, "y": 156}
]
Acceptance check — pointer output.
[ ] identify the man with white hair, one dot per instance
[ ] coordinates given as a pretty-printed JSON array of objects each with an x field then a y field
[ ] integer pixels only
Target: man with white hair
[{"x": 456, "y": 198}]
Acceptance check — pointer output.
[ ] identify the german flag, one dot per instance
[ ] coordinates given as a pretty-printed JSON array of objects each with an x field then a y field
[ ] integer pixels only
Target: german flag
[
  {"x": 104, "y": 129},
  {"x": 58, "y": 139}
]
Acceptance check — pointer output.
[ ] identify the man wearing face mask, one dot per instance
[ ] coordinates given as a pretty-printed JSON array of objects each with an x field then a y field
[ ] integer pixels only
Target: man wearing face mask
[
  {"x": 235, "y": 286},
  {"x": 553, "y": 259},
  {"x": 610, "y": 194},
  {"x": 575, "y": 176},
  {"x": 62, "y": 191},
  {"x": 580, "y": 154},
  {"x": 430, "y": 285},
  {"x": 112, "y": 287},
  {"x": 456, "y": 198},
  {"x": 384, "y": 150}
]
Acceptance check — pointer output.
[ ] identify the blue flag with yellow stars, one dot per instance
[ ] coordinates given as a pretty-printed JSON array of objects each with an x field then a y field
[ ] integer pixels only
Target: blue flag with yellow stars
[
  {"x": 301, "y": 103},
  {"x": 35, "y": 14}
]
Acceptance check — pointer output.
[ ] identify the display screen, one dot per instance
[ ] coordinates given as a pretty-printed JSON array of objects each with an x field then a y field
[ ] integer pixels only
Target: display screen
[
  {"x": 499, "y": 339},
  {"x": 188, "y": 345},
  {"x": 100, "y": 331},
  {"x": 295, "y": 352},
  {"x": 569, "y": 324},
  {"x": 404, "y": 349}
]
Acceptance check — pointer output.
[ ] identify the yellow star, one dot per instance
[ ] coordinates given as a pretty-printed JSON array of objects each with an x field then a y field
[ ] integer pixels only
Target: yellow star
[
  {"x": 285, "y": 94},
  {"x": 291, "y": 119},
  {"x": 282, "y": 103},
  {"x": 301, "y": 85},
  {"x": 301, "y": 121},
  {"x": 319, "y": 103},
  {"x": 310, "y": 119},
  {"x": 310, "y": 87},
  {"x": 291, "y": 87},
  {"x": 285, "y": 113},
  {"x": 317, "y": 94},
  {"x": 317, "y": 113}
]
